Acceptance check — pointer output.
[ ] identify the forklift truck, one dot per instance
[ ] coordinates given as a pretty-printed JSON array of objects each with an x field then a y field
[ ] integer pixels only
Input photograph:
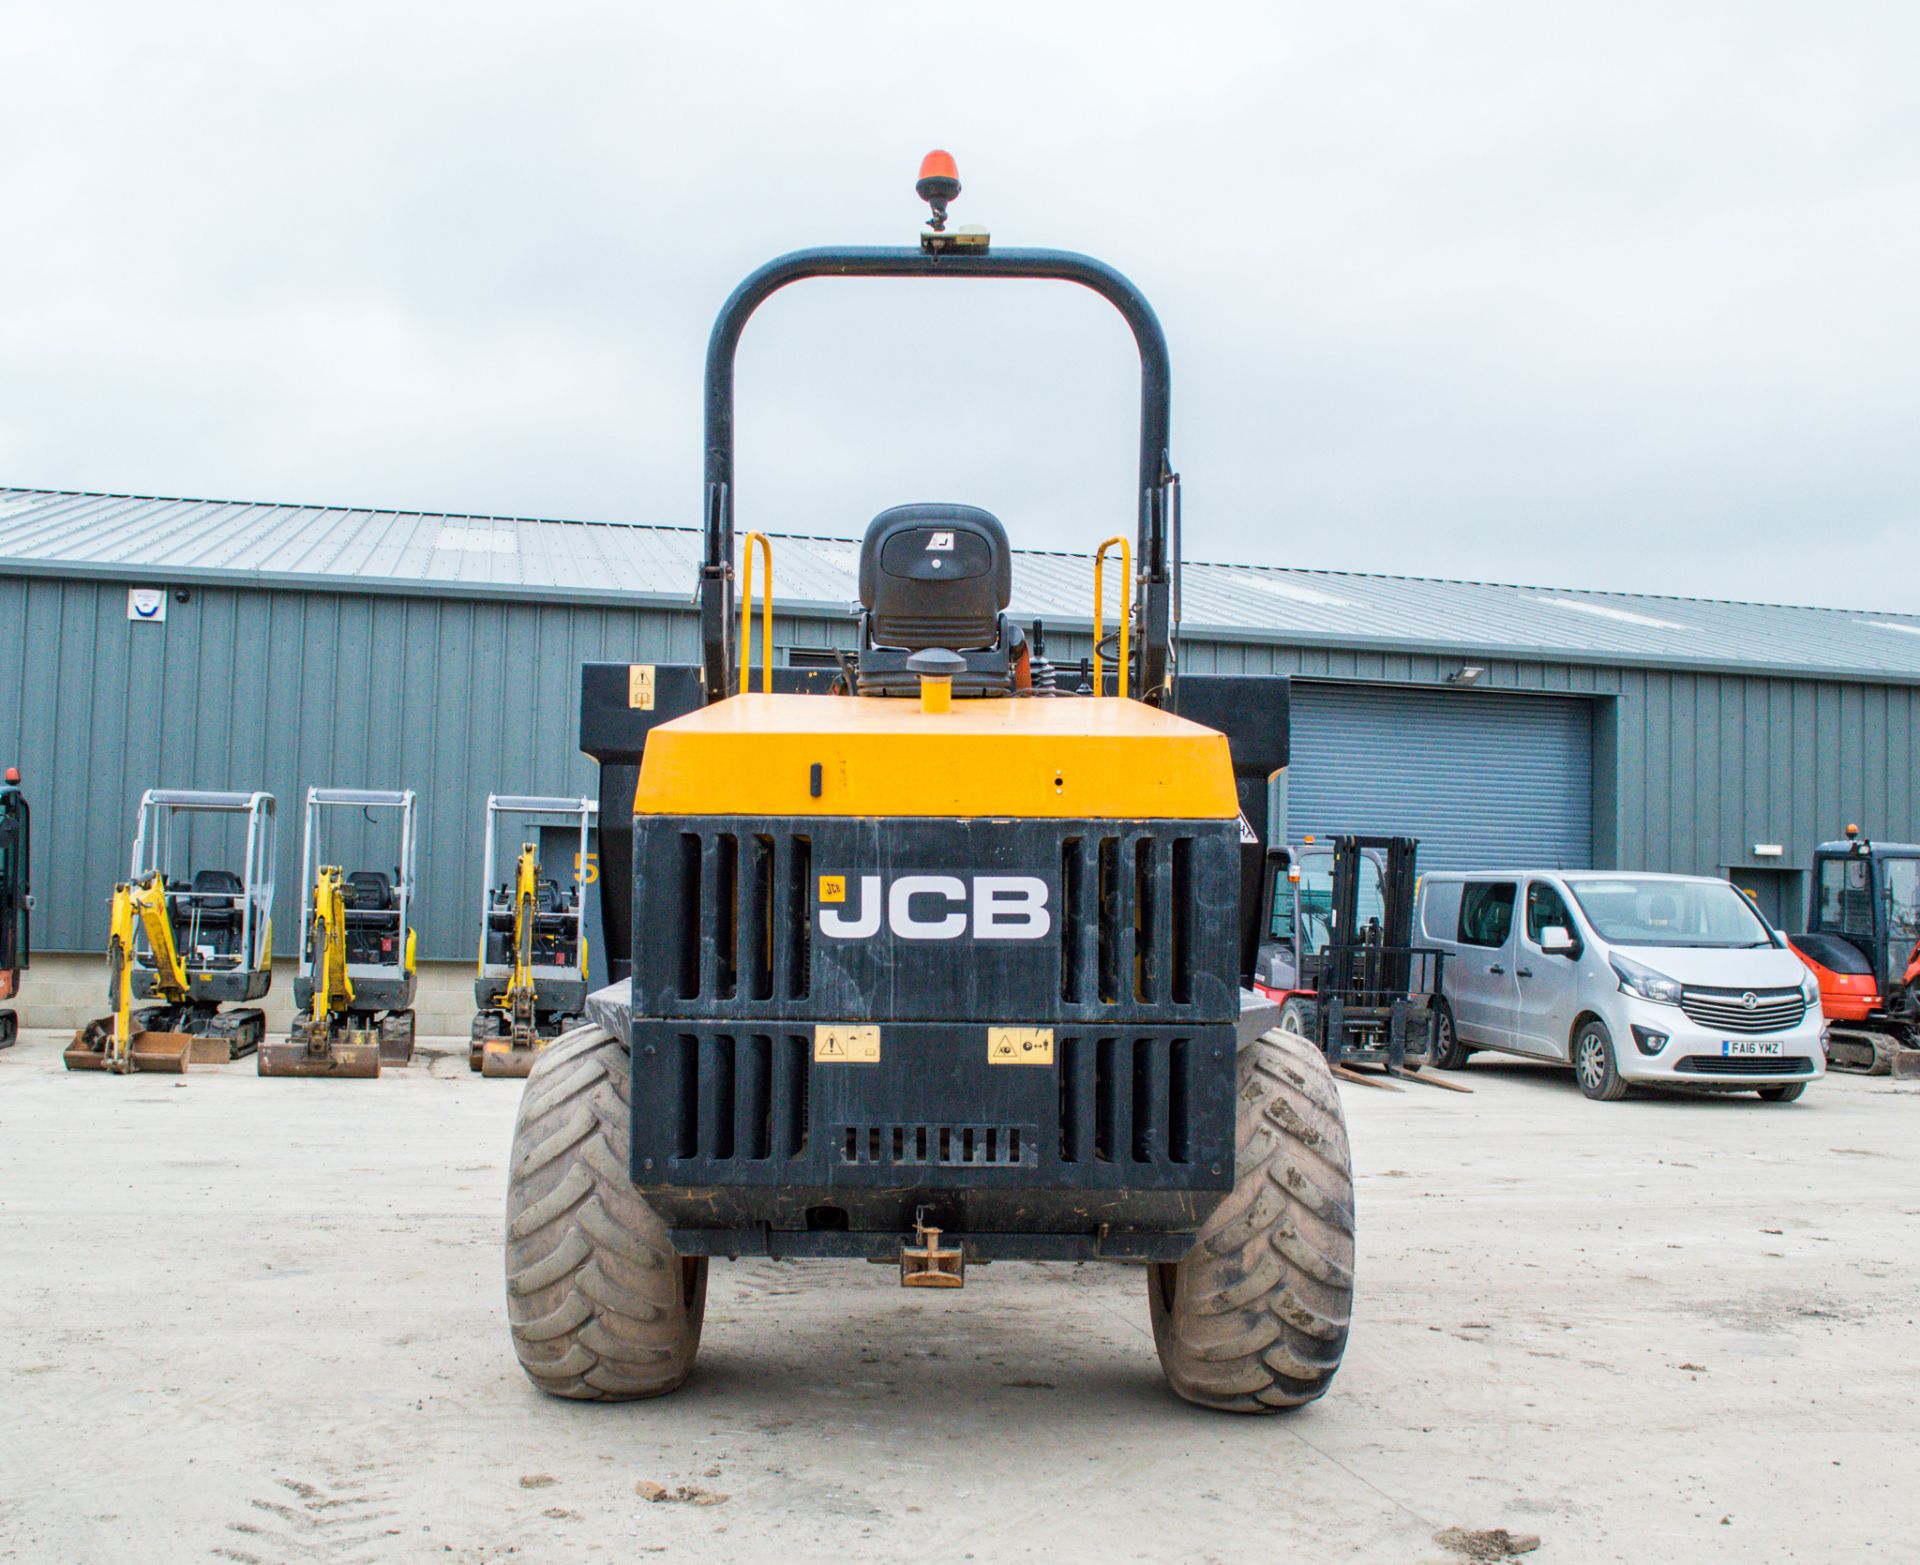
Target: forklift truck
[
  {"x": 1338, "y": 951},
  {"x": 353, "y": 992},
  {"x": 532, "y": 984},
  {"x": 16, "y": 897},
  {"x": 940, "y": 970},
  {"x": 191, "y": 928}
]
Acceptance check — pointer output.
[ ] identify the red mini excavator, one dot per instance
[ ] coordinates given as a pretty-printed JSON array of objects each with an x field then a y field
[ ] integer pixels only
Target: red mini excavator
[{"x": 1863, "y": 944}]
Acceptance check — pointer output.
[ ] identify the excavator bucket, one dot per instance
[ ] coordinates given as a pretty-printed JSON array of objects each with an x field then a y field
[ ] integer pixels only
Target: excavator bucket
[
  {"x": 165, "y": 1052},
  {"x": 499, "y": 1057},
  {"x": 355, "y": 1054}
]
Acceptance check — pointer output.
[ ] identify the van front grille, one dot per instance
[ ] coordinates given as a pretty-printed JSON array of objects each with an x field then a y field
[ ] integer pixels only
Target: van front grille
[{"x": 1745, "y": 1010}]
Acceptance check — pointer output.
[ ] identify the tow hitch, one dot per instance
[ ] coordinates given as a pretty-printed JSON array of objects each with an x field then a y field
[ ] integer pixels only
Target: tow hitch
[{"x": 926, "y": 1264}]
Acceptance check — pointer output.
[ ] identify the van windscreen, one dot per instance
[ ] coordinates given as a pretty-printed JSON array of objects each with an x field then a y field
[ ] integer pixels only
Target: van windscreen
[{"x": 1629, "y": 912}]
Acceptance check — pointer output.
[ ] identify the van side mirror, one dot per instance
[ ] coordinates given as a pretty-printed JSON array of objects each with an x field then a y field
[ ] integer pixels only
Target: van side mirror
[{"x": 1557, "y": 940}]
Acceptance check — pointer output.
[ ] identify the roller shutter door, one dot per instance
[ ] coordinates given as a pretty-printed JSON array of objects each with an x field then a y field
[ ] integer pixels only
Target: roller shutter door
[{"x": 1482, "y": 778}]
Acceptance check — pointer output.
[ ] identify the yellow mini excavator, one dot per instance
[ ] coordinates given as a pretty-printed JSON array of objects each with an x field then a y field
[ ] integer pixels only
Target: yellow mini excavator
[
  {"x": 355, "y": 987},
  {"x": 532, "y": 983},
  {"x": 191, "y": 932},
  {"x": 113, "y": 1043}
]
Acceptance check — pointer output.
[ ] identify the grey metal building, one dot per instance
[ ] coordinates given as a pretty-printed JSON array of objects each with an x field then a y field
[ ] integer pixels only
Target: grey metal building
[{"x": 148, "y": 642}]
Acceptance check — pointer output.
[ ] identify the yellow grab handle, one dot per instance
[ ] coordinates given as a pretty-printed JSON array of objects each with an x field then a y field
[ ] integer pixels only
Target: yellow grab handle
[
  {"x": 766, "y": 617},
  {"x": 1100, "y": 610}
]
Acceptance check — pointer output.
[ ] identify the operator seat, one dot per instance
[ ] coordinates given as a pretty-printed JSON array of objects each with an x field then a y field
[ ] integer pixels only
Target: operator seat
[
  {"x": 936, "y": 575},
  {"x": 215, "y": 902}
]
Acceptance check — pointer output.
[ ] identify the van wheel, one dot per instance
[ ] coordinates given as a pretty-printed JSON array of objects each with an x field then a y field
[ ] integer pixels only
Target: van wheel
[
  {"x": 1449, "y": 1053},
  {"x": 1783, "y": 1094},
  {"x": 1593, "y": 1064},
  {"x": 601, "y": 1307},
  {"x": 1254, "y": 1317}
]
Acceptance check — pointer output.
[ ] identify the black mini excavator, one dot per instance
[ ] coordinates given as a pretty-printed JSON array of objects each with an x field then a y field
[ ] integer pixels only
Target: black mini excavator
[
  {"x": 16, "y": 897},
  {"x": 353, "y": 994},
  {"x": 190, "y": 933}
]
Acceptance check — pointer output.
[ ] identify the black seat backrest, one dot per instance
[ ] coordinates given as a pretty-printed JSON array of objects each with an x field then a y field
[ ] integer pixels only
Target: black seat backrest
[
  {"x": 549, "y": 897},
  {"x": 216, "y": 890},
  {"x": 369, "y": 890},
  {"x": 935, "y": 575}
]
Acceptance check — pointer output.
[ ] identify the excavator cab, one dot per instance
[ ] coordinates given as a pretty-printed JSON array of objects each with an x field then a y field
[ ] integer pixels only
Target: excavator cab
[
  {"x": 532, "y": 981},
  {"x": 1863, "y": 945},
  {"x": 190, "y": 938},
  {"x": 16, "y": 897},
  {"x": 353, "y": 993}
]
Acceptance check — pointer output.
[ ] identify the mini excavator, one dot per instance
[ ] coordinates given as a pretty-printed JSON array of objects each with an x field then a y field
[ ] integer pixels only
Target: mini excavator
[
  {"x": 354, "y": 991},
  {"x": 187, "y": 937},
  {"x": 532, "y": 983}
]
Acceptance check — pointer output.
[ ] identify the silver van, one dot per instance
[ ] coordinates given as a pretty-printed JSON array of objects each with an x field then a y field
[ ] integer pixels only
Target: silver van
[{"x": 1651, "y": 980}]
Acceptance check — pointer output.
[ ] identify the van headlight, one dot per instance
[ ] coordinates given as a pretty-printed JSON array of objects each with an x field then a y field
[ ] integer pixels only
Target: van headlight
[
  {"x": 1644, "y": 983},
  {"x": 1810, "y": 987}
]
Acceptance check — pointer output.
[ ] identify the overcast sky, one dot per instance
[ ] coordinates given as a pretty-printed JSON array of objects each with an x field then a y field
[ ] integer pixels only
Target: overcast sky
[{"x": 1610, "y": 295}]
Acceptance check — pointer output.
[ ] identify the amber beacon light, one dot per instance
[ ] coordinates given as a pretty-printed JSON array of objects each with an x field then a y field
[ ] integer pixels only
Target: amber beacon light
[{"x": 938, "y": 184}]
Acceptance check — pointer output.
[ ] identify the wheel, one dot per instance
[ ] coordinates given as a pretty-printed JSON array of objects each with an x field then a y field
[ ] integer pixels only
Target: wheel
[
  {"x": 1449, "y": 1053},
  {"x": 1254, "y": 1317},
  {"x": 1786, "y": 1093},
  {"x": 601, "y": 1307},
  {"x": 1300, "y": 1019},
  {"x": 1593, "y": 1064},
  {"x": 9, "y": 1028}
]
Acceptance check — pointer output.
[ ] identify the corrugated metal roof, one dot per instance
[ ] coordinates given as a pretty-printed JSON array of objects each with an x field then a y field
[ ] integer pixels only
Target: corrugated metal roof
[{"x": 143, "y": 538}]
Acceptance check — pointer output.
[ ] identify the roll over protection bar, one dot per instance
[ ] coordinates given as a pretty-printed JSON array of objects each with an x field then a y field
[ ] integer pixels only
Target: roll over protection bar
[{"x": 1158, "y": 560}]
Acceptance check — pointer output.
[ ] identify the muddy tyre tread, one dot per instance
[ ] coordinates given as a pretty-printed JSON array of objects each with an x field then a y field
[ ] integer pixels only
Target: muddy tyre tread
[
  {"x": 600, "y": 1306},
  {"x": 1255, "y": 1318}
]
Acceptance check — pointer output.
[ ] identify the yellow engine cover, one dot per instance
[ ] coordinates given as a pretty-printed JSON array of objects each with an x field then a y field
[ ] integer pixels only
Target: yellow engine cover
[{"x": 1081, "y": 757}]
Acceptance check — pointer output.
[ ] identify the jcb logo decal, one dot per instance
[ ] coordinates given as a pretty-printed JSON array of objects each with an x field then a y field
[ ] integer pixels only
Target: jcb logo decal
[{"x": 937, "y": 907}]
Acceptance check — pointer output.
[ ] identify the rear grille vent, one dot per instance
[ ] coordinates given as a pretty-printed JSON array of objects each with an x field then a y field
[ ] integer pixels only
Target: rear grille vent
[
  {"x": 1772, "y": 1010},
  {"x": 740, "y": 1098},
  {"x": 749, "y": 895},
  {"x": 1125, "y": 1100},
  {"x": 938, "y": 1146},
  {"x": 1126, "y": 924}
]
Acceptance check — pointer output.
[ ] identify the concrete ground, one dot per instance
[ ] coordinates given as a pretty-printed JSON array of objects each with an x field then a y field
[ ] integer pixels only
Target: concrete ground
[{"x": 261, "y": 1321}]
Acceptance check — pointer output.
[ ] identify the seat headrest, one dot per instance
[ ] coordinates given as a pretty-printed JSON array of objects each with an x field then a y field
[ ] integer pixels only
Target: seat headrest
[
  {"x": 935, "y": 541},
  {"x": 217, "y": 883}
]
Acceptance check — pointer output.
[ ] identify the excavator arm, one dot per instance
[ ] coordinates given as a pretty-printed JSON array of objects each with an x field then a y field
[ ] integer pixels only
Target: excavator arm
[
  {"x": 520, "y": 986},
  {"x": 332, "y": 988},
  {"x": 112, "y": 1043}
]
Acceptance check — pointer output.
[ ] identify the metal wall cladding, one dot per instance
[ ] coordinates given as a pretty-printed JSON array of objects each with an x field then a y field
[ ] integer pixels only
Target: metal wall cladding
[
  {"x": 1482, "y": 778},
  {"x": 1691, "y": 770},
  {"x": 244, "y": 687},
  {"x": 831, "y": 918},
  {"x": 281, "y": 691}
]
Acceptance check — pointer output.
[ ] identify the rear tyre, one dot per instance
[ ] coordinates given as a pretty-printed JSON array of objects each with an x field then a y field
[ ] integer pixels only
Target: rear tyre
[
  {"x": 1254, "y": 1318},
  {"x": 1787, "y": 1093},
  {"x": 1593, "y": 1063},
  {"x": 1449, "y": 1053},
  {"x": 601, "y": 1307}
]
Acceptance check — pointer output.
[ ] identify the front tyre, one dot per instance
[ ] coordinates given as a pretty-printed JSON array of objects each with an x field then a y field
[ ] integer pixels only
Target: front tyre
[
  {"x": 600, "y": 1306},
  {"x": 1449, "y": 1053},
  {"x": 1254, "y": 1318},
  {"x": 1593, "y": 1063},
  {"x": 1787, "y": 1092}
]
